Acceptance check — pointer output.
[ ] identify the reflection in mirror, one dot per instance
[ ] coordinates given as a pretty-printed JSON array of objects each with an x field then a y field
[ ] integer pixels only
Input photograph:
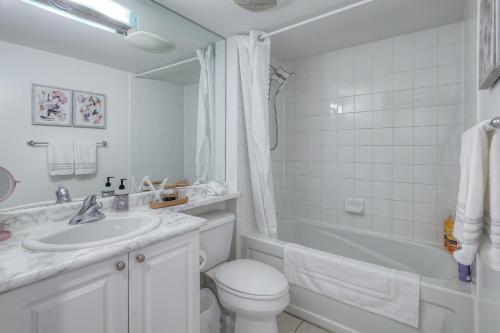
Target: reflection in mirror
[
  {"x": 7, "y": 184},
  {"x": 148, "y": 82},
  {"x": 7, "y": 187}
]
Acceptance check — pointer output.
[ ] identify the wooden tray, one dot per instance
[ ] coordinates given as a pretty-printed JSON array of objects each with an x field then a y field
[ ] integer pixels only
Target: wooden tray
[{"x": 163, "y": 204}]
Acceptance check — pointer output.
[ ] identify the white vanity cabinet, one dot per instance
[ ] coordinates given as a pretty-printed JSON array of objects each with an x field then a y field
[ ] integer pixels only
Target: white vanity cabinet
[
  {"x": 164, "y": 282},
  {"x": 91, "y": 299},
  {"x": 152, "y": 290}
]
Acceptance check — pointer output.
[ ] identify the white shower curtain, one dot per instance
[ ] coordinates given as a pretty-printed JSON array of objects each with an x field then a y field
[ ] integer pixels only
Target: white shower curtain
[
  {"x": 254, "y": 62},
  {"x": 205, "y": 129}
]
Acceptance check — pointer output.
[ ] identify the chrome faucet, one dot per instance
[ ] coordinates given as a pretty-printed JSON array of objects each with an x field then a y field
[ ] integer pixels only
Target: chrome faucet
[
  {"x": 62, "y": 195},
  {"x": 90, "y": 211}
]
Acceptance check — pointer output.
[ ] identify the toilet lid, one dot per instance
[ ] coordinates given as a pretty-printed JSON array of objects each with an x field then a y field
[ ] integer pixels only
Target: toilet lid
[{"x": 252, "y": 278}]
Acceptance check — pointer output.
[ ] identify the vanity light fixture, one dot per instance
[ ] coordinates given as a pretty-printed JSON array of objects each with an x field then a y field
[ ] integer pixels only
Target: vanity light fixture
[{"x": 103, "y": 14}]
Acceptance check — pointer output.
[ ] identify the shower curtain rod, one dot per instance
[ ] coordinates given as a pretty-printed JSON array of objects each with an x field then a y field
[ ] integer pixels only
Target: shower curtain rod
[
  {"x": 316, "y": 18},
  {"x": 166, "y": 67}
]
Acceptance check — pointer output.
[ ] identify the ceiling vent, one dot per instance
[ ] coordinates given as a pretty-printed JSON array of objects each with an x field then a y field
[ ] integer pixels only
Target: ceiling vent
[{"x": 256, "y": 5}]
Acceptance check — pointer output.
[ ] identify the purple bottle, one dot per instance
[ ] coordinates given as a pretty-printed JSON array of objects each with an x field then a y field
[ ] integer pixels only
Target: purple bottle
[{"x": 464, "y": 273}]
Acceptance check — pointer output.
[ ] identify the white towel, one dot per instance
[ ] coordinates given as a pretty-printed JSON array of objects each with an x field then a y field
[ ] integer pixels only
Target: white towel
[
  {"x": 492, "y": 204},
  {"x": 60, "y": 158},
  {"x": 388, "y": 292},
  {"x": 85, "y": 158},
  {"x": 470, "y": 204}
]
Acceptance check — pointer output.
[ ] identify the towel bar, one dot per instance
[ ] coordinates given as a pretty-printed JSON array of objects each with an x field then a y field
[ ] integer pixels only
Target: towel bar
[{"x": 32, "y": 143}]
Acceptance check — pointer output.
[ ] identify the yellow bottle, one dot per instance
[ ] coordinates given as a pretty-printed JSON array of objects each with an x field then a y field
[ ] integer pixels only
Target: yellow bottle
[{"x": 450, "y": 243}]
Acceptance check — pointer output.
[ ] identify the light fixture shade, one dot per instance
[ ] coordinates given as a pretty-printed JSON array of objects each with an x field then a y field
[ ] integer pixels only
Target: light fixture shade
[
  {"x": 256, "y": 5},
  {"x": 149, "y": 42}
]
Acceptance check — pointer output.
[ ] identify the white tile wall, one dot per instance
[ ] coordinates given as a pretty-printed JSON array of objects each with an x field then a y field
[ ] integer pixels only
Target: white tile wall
[
  {"x": 190, "y": 120},
  {"x": 380, "y": 121},
  {"x": 156, "y": 130}
]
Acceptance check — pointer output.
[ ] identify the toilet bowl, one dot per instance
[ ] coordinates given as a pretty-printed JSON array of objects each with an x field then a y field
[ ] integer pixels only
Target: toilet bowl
[{"x": 254, "y": 291}]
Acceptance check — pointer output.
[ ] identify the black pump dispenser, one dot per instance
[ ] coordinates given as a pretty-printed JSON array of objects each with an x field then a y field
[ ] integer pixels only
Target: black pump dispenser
[
  {"x": 121, "y": 197},
  {"x": 122, "y": 186},
  {"x": 108, "y": 182},
  {"x": 107, "y": 191}
]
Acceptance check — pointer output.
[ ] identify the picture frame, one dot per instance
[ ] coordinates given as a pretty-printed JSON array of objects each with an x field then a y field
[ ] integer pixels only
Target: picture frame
[
  {"x": 51, "y": 106},
  {"x": 489, "y": 43},
  {"x": 89, "y": 109}
]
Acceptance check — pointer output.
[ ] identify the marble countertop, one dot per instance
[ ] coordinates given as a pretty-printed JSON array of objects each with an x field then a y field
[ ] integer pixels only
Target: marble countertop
[{"x": 20, "y": 267}]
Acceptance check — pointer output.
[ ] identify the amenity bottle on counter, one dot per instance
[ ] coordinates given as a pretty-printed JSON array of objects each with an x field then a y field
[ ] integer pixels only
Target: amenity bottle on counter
[
  {"x": 450, "y": 243},
  {"x": 121, "y": 197},
  {"x": 107, "y": 191}
]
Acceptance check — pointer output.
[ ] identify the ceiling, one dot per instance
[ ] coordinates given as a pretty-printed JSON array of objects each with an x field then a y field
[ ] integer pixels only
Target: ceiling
[
  {"x": 27, "y": 25},
  {"x": 377, "y": 20}
]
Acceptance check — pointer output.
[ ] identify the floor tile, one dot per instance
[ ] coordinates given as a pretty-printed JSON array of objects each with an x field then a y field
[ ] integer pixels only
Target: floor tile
[
  {"x": 288, "y": 323},
  {"x": 305, "y": 327}
]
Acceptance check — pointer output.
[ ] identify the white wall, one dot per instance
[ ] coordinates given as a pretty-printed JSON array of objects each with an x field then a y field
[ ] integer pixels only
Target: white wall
[
  {"x": 380, "y": 121},
  {"x": 19, "y": 68}
]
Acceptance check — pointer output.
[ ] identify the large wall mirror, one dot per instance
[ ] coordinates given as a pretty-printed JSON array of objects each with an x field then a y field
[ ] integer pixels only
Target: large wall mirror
[{"x": 110, "y": 88}]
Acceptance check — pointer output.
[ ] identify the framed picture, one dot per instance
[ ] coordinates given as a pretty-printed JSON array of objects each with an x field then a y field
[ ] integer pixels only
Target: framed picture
[
  {"x": 51, "y": 106},
  {"x": 489, "y": 43},
  {"x": 89, "y": 109}
]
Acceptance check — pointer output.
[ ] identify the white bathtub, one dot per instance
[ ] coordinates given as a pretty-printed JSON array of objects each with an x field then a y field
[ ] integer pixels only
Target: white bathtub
[{"x": 446, "y": 304}]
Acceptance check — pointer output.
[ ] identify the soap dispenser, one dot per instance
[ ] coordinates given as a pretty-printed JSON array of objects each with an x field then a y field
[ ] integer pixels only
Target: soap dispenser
[
  {"x": 108, "y": 190},
  {"x": 121, "y": 197}
]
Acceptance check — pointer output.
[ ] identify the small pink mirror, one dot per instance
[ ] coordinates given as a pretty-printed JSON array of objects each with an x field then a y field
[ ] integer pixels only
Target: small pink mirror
[
  {"x": 7, "y": 184},
  {"x": 7, "y": 187}
]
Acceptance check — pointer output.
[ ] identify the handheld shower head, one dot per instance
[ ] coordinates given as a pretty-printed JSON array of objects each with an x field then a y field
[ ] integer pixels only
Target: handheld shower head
[{"x": 281, "y": 76}]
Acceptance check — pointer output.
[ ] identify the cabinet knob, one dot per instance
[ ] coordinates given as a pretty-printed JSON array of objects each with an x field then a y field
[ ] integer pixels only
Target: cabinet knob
[
  {"x": 141, "y": 258},
  {"x": 121, "y": 266}
]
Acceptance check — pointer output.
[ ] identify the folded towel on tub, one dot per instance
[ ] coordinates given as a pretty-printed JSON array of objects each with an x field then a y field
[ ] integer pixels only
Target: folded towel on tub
[{"x": 388, "y": 292}]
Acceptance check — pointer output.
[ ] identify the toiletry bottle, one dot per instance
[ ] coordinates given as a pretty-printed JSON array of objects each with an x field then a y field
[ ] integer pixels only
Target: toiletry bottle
[
  {"x": 121, "y": 197},
  {"x": 450, "y": 243},
  {"x": 107, "y": 191},
  {"x": 464, "y": 273}
]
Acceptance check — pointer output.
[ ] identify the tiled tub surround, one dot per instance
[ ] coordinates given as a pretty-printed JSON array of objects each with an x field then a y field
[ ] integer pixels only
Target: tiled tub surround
[
  {"x": 380, "y": 121},
  {"x": 19, "y": 267}
]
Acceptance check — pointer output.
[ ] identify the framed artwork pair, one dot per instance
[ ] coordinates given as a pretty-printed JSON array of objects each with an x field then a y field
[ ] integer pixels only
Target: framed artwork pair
[{"x": 55, "y": 106}]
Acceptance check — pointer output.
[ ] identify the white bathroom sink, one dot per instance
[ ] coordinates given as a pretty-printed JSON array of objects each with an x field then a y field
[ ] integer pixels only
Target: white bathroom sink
[{"x": 114, "y": 228}]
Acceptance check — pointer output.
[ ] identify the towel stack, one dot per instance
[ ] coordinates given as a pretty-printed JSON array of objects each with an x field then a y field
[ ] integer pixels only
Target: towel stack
[
  {"x": 479, "y": 192},
  {"x": 66, "y": 158}
]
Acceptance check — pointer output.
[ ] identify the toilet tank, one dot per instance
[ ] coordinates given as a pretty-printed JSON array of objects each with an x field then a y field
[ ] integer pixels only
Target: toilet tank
[{"x": 216, "y": 237}]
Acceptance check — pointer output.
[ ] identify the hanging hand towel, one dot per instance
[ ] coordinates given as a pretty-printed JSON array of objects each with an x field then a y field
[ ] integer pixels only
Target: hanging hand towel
[
  {"x": 470, "y": 204},
  {"x": 60, "y": 158},
  {"x": 85, "y": 158}
]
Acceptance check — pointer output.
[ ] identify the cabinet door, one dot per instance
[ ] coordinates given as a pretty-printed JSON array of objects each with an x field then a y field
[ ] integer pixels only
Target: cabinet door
[
  {"x": 91, "y": 299},
  {"x": 164, "y": 287}
]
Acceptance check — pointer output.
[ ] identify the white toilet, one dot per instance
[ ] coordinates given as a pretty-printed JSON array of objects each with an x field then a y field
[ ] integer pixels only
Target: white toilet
[{"x": 254, "y": 291}]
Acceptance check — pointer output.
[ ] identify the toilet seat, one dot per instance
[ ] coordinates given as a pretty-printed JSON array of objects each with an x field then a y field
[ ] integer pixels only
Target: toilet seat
[{"x": 251, "y": 279}]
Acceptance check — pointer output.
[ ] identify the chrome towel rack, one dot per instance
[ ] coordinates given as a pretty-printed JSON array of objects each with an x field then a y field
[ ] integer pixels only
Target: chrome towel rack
[
  {"x": 33, "y": 143},
  {"x": 495, "y": 122}
]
